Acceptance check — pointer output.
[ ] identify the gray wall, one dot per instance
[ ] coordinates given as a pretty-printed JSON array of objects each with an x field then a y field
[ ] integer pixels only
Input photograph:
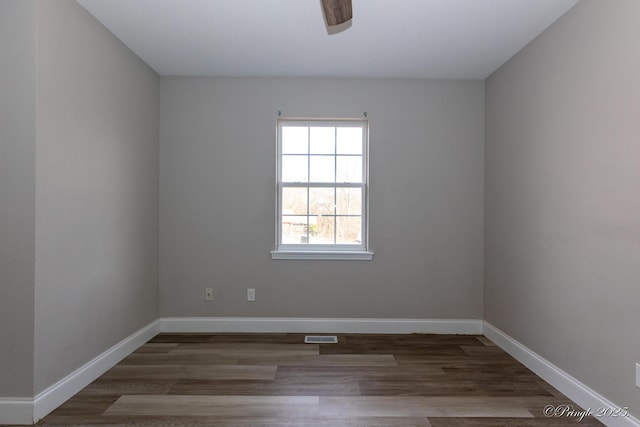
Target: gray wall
[
  {"x": 217, "y": 202},
  {"x": 97, "y": 191},
  {"x": 17, "y": 194},
  {"x": 563, "y": 196}
]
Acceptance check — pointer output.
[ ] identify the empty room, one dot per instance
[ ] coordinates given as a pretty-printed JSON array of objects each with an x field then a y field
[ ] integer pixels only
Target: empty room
[{"x": 320, "y": 212}]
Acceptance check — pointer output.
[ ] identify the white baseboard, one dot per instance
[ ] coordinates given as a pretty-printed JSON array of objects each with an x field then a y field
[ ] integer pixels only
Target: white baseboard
[
  {"x": 16, "y": 411},
  {"x": 565, "y": 383},
  {"x": 315, "y": 325},
  {"x": 29, "y": 411},
  {"x": 58, "y": 393}
]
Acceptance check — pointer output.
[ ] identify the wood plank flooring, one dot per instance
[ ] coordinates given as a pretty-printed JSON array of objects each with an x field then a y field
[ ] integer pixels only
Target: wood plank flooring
[{"x": 275, "y": 380}]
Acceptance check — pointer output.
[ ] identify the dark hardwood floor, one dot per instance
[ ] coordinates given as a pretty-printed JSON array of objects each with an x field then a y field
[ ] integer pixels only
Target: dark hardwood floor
[{"x": 235, "y": 380}]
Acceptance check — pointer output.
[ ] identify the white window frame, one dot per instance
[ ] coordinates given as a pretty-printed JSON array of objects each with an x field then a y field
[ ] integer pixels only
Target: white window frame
[{"x": 317, "y": 251}]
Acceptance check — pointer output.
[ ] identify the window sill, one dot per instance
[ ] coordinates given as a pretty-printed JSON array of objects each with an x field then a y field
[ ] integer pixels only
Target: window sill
[{"x": 324, "y": 255}]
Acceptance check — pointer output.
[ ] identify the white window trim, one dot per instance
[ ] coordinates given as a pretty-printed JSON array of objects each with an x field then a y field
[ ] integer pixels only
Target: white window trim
[
  {"x": 323, "y": 252},
  {"x": 323, "y": 255}
]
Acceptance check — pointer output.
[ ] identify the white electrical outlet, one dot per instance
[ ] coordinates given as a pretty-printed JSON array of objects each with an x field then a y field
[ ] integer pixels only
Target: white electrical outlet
[
  {"x": 251, "y": 294},
  {"x": 208, "y": 294},
  {"x": 638, "y": 375}
]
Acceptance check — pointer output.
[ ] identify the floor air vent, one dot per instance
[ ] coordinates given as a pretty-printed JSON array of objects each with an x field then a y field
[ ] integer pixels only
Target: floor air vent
[{"x": 321, "y": 339}]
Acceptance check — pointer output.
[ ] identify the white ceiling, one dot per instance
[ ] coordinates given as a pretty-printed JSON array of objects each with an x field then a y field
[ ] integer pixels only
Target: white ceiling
[{"x": 449, "y": 39}]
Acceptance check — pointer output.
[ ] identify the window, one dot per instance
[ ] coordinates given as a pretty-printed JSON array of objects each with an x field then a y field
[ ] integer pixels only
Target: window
[{"x": 322, "y": 189}]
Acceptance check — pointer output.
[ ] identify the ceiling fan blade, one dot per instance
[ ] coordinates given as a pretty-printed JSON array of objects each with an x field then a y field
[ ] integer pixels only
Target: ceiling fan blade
[{"x": 337, "y": 12}]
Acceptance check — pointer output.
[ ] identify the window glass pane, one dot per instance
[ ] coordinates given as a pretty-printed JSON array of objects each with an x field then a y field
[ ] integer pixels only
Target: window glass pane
[
  {"x": 294, "y": 168},
  {"x": 295, "y": 140},
  {"x": 321, "y": 201},
  {"x": 349, "y": 140},
  {"x": 294, "y": 201},
  {"x": 348, "y": 230},
  {"x": 322, "y": 169},
  {"x": 349, "y": 169},
  {"x": 322, "y": 140},
  {"x": 349, "y": 201},
  {"x": 321, "y": 230},
  {"x": 294, "y": 229}
]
